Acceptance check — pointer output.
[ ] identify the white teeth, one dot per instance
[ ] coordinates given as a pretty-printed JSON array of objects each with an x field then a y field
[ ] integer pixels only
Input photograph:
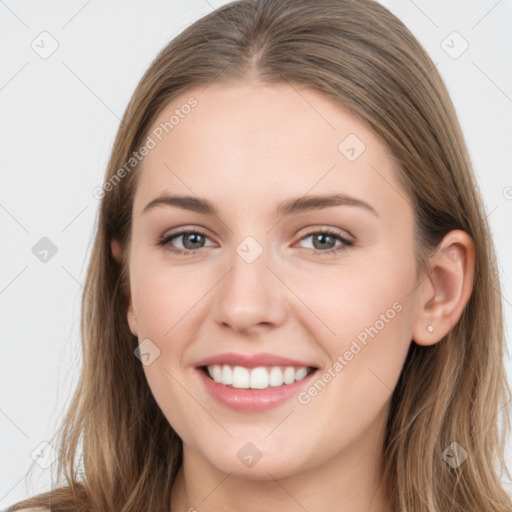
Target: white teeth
[
  {"x": 255, "y": 378},
  {"x": 276, "y": 376},
  {"x": 289, "y": 375},
  {"x": 259, "y": 378},
  {"x": 217, "y": 372},
  {"x": 226, "y": 376},
  {"x": 301, "y": 373},
  {"x": 240, "y": 377}
]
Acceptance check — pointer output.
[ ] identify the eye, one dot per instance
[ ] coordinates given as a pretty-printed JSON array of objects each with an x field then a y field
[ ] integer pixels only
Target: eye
[
  {"x": 191, "y": 241},
  {"x": 325, "y": 240}
]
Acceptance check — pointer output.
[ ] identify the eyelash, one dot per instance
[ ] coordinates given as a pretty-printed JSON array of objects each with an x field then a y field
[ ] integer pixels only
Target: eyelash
[{"x": 164, "y": 241}]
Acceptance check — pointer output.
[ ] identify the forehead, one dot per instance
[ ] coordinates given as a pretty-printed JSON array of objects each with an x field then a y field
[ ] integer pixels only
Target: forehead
[{"x": 250, "y": 144}]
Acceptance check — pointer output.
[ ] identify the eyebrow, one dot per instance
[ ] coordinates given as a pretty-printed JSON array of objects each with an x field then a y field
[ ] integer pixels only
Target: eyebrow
[{"x": 286, "y": 208}]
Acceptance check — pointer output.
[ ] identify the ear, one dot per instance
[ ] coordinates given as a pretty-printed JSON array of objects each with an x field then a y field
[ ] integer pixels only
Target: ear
[
  {"x": 446, "y": 289},
  {"x": 115, "y": 247},
  {"x": 117, "y": 253}
]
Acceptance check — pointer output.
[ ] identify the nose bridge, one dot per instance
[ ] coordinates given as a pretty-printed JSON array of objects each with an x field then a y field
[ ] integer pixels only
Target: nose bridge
[{"x": 249, "y": 293}]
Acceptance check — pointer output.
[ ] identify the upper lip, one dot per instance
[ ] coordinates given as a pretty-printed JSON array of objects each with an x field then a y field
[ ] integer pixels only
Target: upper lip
[{"x": 252, "y": 360}]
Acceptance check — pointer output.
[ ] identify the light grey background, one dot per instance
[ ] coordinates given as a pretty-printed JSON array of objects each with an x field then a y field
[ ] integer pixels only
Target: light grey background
[{"x": 59, "y": 116}]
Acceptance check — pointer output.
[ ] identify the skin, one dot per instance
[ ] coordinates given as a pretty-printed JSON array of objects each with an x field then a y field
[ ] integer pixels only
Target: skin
[{"x": 246, "y": 147}]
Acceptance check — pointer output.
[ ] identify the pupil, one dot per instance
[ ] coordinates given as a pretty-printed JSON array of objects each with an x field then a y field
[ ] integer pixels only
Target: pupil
[
  {"x": 322, "y": 238},
  {"x": 192, "y": 236}
]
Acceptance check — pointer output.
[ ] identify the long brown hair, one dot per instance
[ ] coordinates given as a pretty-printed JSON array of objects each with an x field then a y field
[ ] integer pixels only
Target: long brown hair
[{"x": 359, "y": 54}]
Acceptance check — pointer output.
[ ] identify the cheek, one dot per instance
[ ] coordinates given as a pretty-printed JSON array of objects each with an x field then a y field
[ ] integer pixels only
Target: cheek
[
  {"x": 353, "y": 301},
  {"x": 164, "y": 301},
  {"x": 163, "y": 296},
  {"x": 370, "y": 314},
  {"x": 368, "y": 317}
]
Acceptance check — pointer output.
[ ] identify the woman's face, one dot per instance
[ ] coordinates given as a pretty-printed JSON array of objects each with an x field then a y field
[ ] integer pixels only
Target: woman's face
[{"x": 307, "y": 261}]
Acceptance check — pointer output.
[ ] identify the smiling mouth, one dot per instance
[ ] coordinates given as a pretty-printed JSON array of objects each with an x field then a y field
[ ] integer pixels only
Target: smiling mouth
[{"x": 261, "y": 377}]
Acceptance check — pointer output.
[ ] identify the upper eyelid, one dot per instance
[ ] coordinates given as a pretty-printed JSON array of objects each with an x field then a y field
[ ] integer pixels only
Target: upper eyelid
[
  {"x": 329, "y": 230},
  {"x": 313, "y": 231},
  {"x": 184, "y": 232}
]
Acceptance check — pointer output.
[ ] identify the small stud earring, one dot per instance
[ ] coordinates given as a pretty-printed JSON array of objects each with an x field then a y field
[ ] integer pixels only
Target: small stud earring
[{"x": 430, "y": 328}]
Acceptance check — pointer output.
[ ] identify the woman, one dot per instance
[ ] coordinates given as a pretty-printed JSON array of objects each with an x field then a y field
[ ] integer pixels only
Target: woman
[{"x": 291, "y": 301}]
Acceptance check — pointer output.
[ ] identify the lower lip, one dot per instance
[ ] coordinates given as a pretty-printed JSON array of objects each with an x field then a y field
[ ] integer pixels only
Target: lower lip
[{"x": 253, "y": 400}]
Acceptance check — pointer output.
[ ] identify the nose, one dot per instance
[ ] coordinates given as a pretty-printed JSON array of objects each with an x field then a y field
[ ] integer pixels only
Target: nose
[{"x": 250, "y": 296}]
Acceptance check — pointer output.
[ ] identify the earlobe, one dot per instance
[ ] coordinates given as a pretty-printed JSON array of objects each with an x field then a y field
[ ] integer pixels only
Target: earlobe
[
  {"x": 446, "y": 289},
  {"x": 131, "y": 318},
  {"x": 130, "y": 313},
  {"x": 115, "y": 247}
]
